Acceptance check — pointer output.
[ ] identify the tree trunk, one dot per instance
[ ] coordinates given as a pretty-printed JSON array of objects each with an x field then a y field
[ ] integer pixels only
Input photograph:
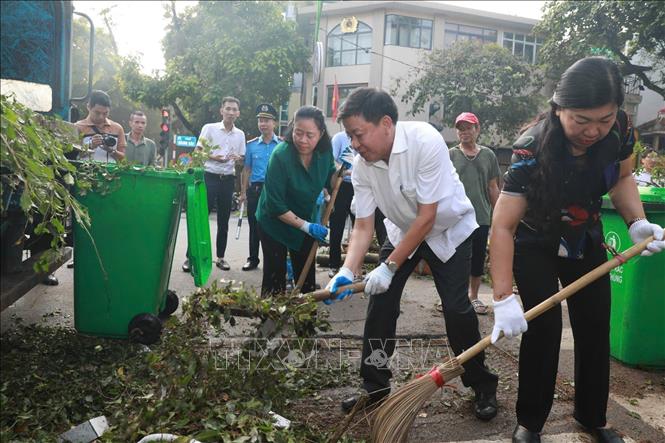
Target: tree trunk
[{"x": 182, "y": 118}]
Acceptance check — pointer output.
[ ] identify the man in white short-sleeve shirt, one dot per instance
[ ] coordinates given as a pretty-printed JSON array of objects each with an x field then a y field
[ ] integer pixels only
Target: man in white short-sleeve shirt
[
  {"x": 404, "y": 170},
  {"x": 227, "y": 146}
]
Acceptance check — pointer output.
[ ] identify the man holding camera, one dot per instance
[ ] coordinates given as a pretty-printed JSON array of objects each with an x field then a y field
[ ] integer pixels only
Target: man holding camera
[{"x": 103, "y": 138}]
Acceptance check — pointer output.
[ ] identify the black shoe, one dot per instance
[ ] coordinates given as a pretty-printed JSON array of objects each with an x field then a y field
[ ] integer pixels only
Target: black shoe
[
  {"x": 485, "y": 405},
  {"x": 186, "y": 267},
  {"x": 523, "y": 435},
  {"x": 70, "y": 264},
  {"x": 605, "y": 435},
  {"x": 372, "y": 402},
  {"x": 50, "y": 280},
  {"x": 250, "y": 265}
]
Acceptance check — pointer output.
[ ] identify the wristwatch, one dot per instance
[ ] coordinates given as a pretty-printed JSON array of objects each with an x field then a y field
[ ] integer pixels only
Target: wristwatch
[{"x": 392, "y": 266}]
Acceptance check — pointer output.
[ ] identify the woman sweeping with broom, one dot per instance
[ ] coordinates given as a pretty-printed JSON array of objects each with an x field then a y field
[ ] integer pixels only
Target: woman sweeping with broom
[{"x": 546, "y": 229}]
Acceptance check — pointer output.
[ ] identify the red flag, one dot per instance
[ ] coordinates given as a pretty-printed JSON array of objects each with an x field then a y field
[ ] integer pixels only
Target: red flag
[{"x": 335, "y": 100}]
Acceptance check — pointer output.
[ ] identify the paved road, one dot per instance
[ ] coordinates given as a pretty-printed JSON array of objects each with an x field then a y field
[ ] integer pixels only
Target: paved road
[{"x": 640, "y": 416}]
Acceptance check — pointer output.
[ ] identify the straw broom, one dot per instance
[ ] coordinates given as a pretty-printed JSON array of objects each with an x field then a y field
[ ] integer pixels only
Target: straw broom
[{"x": 395, "y": 416}]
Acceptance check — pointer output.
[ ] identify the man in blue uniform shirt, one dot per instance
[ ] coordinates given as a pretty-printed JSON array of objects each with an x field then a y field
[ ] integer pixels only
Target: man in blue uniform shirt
[
  {"x": 341, "y": 148},
  {"x": 257, "y": 155}
]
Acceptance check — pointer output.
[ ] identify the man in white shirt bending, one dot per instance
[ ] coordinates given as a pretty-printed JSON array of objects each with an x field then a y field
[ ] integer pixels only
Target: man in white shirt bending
[{"x": 404, "y": 169}]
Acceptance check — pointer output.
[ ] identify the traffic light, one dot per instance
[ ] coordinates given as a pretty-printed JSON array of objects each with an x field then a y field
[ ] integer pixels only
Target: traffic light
[{"x": 165, "y": 133}]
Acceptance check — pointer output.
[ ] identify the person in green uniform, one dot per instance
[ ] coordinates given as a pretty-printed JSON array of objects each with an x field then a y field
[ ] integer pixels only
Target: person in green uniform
[{"x": 299, "y": 168}]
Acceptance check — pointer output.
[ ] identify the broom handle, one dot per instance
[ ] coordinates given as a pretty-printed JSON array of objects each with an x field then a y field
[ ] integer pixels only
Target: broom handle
[
  {"x": 560, "y": 296},
  {"x": 324, "y": 222}
]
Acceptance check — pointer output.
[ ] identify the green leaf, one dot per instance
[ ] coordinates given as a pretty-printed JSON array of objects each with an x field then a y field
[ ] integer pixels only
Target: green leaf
[
  {"x": 207, "y": 435},
  {"x": 25, "y": 202}
]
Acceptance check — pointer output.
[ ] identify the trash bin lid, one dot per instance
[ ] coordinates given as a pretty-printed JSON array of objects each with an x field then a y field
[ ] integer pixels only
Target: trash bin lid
[
  {"x": 652, "y": 194},
  {"x": 198, "y": 228},
  {"x": 653, "y": 199}
]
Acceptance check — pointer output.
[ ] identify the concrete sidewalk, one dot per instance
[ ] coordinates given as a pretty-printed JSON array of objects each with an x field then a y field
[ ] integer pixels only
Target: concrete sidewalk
[{"x": 637, "y": 400}]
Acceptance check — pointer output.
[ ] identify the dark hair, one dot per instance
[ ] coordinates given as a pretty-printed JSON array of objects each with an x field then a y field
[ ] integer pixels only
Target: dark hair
[
  {"x": 139, "y": 113},
  {"x": 98, "y": 97},
  {"x": 589, "y": 83},
  {"x": 230, "y": 99},
  {"x": 315, "y": 114},
  {"x": 370, "y": 103}
]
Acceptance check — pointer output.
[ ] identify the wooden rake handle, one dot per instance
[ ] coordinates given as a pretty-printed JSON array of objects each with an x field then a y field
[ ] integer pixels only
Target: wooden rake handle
[
  {"x": 560, "y": 296},
  {"x": 324, "y": 294},
  {"x": 324, "y": 221}
]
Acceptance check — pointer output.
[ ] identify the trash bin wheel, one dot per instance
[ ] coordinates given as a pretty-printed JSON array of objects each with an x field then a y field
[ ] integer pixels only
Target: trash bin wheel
[
  {"x": 170, "y": 306},
  {"x": 145, "y": 329}
]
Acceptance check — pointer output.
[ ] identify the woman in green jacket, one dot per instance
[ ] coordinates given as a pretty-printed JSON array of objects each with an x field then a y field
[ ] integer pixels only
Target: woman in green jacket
[{"x": 298, "y": 170}]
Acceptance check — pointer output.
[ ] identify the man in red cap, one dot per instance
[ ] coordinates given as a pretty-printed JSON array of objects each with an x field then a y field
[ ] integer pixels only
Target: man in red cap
[{"x": 478, "y": 169}]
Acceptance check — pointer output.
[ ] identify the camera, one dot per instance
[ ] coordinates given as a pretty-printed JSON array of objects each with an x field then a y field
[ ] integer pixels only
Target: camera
[{"x": 109, "y": 141}]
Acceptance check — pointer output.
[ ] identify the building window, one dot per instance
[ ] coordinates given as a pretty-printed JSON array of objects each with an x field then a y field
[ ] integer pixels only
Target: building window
[
  {"x": 351, "y": 48},
  {"x": 455, "y": 32},
  {"x": 522, "y": 45},
  {"x": 410, "y": 32},
  {"x": 296, "y": 83},
  {"x": 344, "y": 91}
]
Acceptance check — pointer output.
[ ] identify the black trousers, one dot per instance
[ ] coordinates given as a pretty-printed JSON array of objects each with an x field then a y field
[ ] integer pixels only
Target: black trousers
[
  {"x": 452, "y": 282},
  {"x": 253, "y": 194},
  {"x": 220, "y": 195},
  {"x": 274, "y": 265},
  {"x": 338, "y": 222},
  {"x": 479, "y": 250},
  {"x": 537, "y": 274},
  {"x": 379, "y": 227}
]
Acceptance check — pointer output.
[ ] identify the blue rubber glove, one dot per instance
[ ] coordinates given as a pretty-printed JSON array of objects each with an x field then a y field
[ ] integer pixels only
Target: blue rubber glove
[
  {"x": 343, "y": 277},
  {"x": 315, "y": 230}
]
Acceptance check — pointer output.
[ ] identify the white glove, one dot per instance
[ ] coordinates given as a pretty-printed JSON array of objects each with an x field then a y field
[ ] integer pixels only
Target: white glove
[
  {"x": 509, "y": 318},
  {"x": 642, "y": 229},
  {"x": 378, "y": 281}
]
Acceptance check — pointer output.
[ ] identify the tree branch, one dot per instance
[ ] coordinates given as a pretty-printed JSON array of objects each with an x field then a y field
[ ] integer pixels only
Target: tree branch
[
  {"x": 108, "y": 22},
  {"x": 176, "y": 21},
  {"x": 639, "y": 72},
  {"x": 182, "y": 118}
]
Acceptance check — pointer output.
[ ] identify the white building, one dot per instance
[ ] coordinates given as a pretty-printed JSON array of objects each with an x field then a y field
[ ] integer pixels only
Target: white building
[{"x": 373, "y": 43}]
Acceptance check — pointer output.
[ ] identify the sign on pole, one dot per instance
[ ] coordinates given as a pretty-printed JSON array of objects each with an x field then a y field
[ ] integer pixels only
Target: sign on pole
[{"x": 185, "y": 141}]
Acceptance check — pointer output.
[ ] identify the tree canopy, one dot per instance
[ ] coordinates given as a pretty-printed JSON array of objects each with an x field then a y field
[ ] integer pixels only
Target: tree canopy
[
  {"x": 619, "y": 29},
  {"x": 106, "y": 68},
  {"x": 216, "y": 49},
  {"x": 501, "y": 89}
]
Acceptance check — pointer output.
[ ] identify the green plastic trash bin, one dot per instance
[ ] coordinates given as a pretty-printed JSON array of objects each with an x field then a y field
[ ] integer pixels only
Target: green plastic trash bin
[
  {"x": 123, "y": 266},
  {"x": 637, "y": 321}
]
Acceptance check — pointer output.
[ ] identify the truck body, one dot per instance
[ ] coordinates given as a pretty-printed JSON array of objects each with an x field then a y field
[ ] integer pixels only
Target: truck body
[{"x": 35, "y": 67}]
